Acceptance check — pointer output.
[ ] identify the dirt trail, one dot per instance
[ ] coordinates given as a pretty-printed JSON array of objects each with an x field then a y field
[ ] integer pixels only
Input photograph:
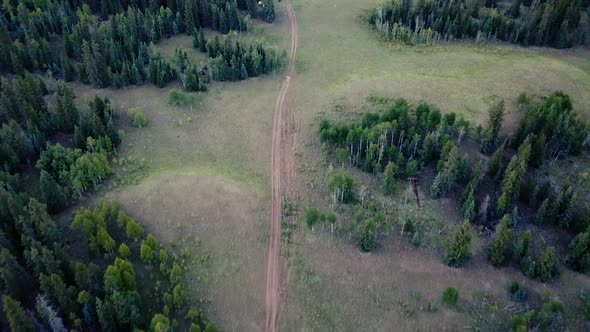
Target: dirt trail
[{"x": 282, "y": 172}]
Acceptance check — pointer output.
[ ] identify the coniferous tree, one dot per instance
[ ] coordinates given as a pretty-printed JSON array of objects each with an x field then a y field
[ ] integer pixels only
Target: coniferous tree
[
  {"x": 578, "y": 257},
  {"x": 53, "y": 194},
  {"x": 458, "y": 249},
  {"x": 522, "y": 246},
  {"x": 492, "y": 131},
  {"x": 17, "y": 318},
  {"x": 498, "y": 249}
]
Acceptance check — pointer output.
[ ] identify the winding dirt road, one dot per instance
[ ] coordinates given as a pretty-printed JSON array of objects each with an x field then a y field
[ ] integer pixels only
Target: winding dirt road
[{"x": 282, "y": 172}]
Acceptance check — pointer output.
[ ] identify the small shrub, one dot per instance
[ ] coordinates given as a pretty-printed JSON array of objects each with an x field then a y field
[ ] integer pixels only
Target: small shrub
[
  {"x": 450, "y": 296},
  {"x": 520, "y": 322},
  {"x": 179, "y": 98},
  {"x": 518, "y": 292},
  {"x": 550, "y": 313},
  {"x": 312, "y": 216},
  {"x": 137, "y": 117}
]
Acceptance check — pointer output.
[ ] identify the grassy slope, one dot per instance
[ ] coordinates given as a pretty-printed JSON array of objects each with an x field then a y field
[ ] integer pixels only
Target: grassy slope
[{"x": 332, "y": 285}]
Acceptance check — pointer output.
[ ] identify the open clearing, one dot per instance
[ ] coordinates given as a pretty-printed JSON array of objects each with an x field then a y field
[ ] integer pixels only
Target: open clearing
[{"x": 340, "y": 62}]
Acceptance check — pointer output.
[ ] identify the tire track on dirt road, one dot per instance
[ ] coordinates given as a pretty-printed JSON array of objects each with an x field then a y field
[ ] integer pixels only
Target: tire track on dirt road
[{"x": 282, "y": 178}]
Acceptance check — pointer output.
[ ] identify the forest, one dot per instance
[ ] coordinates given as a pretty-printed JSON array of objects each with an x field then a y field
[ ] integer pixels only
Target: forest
[
  {"x": 540, "y": 23},
  {"x": 44, "y": 45}
]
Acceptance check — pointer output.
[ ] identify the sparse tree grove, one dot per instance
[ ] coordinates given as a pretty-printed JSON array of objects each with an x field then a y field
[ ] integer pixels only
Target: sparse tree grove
[{"x": 401, "y": 143}]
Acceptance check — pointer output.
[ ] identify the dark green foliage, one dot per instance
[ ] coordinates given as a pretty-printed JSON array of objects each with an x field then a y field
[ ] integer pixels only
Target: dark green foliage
[
  {"x": 458, "y": 248},
  {"x": 191, "y": 82},
  {"x": 513, "y": 175},
  {"x": 490, "y": 135},
  {"x": 521, "y": 248},
  {"x": 500, "y": 245},
  {"x": 556, "y": 124},
  {"x": 53, "y": 194},
  {"x": 554, "y": 24},
  {"x": 13, "y": 278},
  {"x": 161, "y": 71},
  {"x": 578, "y": 257},
  {"x": 548, "y": 264},
  {"x": 232, "y": 60},
  {"x": 517, "y": 291},
  {"x": 390, "y": 174},
  {"x": 450, "y": 296}
]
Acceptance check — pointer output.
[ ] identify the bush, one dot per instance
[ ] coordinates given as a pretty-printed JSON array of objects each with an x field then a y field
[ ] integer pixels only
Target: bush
[
  {"x": 550, "y": 312},
  {"x": 137, "y": 117},
  {"x": 518, "y": 292},
  {"x": 312, "y": 216},
  {"x": 450, "y": 296},
  {"x": 179, "y": 98}
]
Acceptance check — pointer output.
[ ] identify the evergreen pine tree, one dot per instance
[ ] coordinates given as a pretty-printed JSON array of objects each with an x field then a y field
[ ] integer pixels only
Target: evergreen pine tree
[
  {"x": 17, "y": 318},
  {"x": 499, "y": 246},
  {"x": 458, "y": 249},
  {"x": 492, "y": 131},
  {"x": 521, "y": 249},
  {"x": 53, "y": 194}
]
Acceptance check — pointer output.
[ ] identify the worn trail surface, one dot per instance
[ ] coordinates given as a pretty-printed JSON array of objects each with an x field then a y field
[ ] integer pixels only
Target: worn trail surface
[{"x": 282, "y": 172}]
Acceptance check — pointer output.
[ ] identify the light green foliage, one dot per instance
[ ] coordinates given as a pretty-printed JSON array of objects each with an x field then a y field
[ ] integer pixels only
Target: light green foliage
[
  {"x": 137, "y": 117},
  {"x": 120, "y": 276},
  {"x": 549, "y": 312},
  {"x": 159, "y": 323},
  {"x": 175, "y": 273},
  {"x": 124, "y": 251},
  {"x": 148, "y": 249},
  {"x": 134, "y": 230},
  {"x": 520, "y": 322},
  {"x": 342, "y": 155},
  {"x": 179, "y": 297},
  {"x": 179, "y": 98},
  {"x": 342, "y": 186}
]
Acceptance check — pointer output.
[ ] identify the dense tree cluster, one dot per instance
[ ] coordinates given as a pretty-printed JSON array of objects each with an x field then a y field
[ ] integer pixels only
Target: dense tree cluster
[
  {"x": 551, "y": 23},
  {"x": 112, "y": 54},
  {"x": 401, "y": 139},
  {"x": 103, "y": 292},
  {"x": 231, "y": 60}
]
